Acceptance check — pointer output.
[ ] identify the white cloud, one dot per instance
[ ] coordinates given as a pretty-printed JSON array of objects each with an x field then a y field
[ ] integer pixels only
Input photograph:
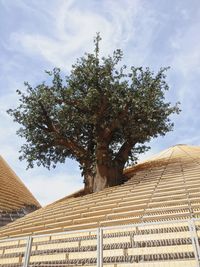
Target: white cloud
[
  {"x": 74, "y": 28},
  {"x": 186, "y": 64},
  {"x": 49, "y": 189},
  {"x": 8, "y": 140}
]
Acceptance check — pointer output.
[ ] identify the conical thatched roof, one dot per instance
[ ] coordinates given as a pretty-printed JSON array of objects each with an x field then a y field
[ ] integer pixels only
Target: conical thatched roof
[
  {"x": 15, "y": 199},
  {"x": 165, "y": 187}
]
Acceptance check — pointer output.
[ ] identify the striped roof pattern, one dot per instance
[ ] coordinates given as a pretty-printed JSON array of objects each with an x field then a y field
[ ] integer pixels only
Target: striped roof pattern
[
  {"x": 14, "y": 195},
  {"x": 165, "y": 187}
]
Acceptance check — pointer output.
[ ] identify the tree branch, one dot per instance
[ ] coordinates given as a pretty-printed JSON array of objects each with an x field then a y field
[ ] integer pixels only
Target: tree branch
[
  {"x": 109, "y": 131},
  {"x": 49, "y": 123},
  {"x": 59, "y": 139},
  {"x": 124, "y": 151}
]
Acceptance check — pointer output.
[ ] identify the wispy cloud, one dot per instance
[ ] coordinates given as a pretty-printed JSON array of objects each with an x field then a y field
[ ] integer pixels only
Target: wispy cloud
[{"x": 75, "y": 26}]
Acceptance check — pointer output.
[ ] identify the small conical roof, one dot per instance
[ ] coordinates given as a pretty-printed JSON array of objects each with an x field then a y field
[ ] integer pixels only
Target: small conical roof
[
  {"x": 165, "y": 187},
  {"x": 15, "y": 199}
]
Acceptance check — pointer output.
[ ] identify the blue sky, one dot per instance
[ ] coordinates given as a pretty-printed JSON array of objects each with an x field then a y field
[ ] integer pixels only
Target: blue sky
[{"x": 39, "y": 35}]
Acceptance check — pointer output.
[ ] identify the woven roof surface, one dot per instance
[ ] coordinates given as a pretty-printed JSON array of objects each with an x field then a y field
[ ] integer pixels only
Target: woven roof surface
[
  {"x": 165, "y": 187},
  {"x": 14, "y": 195}
]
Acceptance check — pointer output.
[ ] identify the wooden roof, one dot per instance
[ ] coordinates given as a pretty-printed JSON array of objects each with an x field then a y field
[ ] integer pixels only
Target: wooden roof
[
  {"x": 165, "y": 187},
  {"x": 14, "y": 196}
]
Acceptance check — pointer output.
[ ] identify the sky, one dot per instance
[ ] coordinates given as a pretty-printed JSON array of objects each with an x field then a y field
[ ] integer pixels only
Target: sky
[{"x": 38, "y": 35}]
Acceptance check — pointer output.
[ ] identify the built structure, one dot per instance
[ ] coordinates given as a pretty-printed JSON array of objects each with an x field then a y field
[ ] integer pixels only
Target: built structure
[
  {"x": 15, "y": 199},
  {"x": 152, "y": 220}
]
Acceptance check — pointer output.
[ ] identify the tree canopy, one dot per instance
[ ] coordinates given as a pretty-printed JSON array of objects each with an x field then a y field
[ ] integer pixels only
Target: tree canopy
[{"x": 101, "y": 115}]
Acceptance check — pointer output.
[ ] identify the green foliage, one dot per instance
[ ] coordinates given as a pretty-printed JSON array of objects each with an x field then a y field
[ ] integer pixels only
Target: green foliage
[{"x": 99, "y": 105}]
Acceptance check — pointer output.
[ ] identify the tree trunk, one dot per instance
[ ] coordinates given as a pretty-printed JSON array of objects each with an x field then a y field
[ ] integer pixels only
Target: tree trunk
[
  {"x": 105, "y": 177},
  {"x": 107, "y": 172},
  {"x": 89, "y": 183}
]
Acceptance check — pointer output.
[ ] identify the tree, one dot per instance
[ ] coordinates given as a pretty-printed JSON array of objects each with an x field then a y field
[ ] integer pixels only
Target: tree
[{"x": 100, "y": 115}]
